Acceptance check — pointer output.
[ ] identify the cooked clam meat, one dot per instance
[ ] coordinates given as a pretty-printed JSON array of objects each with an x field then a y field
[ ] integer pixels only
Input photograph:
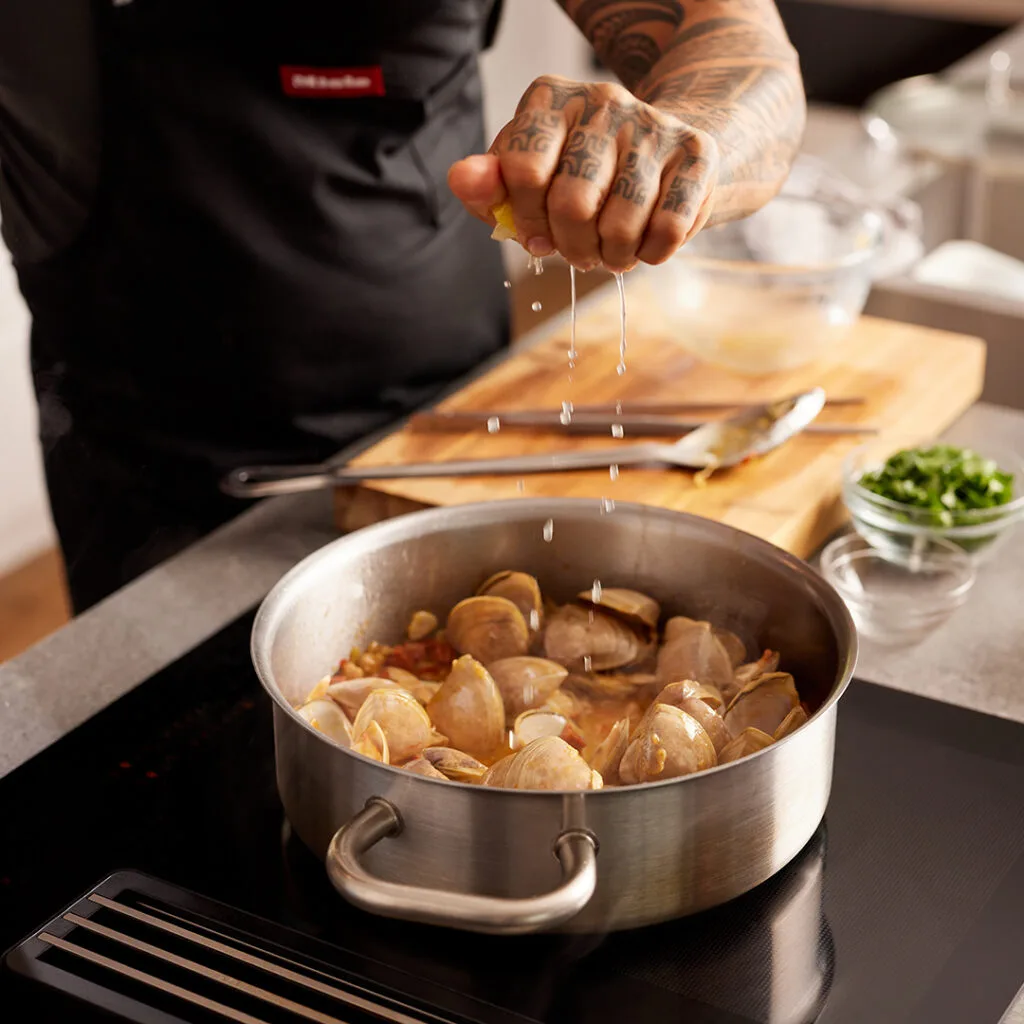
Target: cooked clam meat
[{"x": 519, "y": 691}]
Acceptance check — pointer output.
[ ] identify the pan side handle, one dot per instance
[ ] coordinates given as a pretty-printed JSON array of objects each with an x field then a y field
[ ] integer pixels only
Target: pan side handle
[{"x": 575, "y": 849}]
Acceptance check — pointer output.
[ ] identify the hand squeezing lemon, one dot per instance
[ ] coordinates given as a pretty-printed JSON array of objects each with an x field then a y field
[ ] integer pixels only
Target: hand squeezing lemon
[{"x": 505, "y": 228}]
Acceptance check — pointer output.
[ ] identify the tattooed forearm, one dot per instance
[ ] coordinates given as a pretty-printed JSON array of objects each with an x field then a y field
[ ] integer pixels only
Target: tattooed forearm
[{"x": 725, "y": 67}]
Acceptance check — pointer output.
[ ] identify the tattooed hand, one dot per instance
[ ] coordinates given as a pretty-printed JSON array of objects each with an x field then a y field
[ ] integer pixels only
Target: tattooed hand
[
  {"x": 595, "y": 174},
  {"x": 707, "y": 132}
]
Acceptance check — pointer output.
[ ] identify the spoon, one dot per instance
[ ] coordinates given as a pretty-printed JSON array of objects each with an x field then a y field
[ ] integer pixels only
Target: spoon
[{"x": 718, "y": 445}]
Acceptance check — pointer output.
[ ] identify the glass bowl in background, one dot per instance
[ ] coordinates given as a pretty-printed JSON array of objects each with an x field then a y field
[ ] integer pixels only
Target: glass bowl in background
[
  {"x": 776, "y": 290},
  {"x": 901, "y": 532},
  {"x": 898, "y": 604}
]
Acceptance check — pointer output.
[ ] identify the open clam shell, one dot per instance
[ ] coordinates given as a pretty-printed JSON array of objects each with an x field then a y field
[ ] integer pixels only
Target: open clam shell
[
  {"x": 639, "y": 610},
  {"x": 526, "y": 682},
  {"x": 454, "y": 764},
  {"x": 403, "y": 719},
  {"x": 372, "y": 743},
  {"x": 608, "y": 753},
  {"x": 487, "y": 628},
  {"x": 668, "y": 743},
  {"x": 421, "y": 766},
  {"x": 763, "y": 704},
  {"x": 791, "y": 722},
  {"x": 522, "y": 590},
  {"x": 692, "y": 651},
  {"x": 547, "y": 763},
  {"x": 325, "y": 716},
  {"x": 673, "y": 693},
  {"x": 468, "y": 709},
  {"x": 591, "y": 641},
  {"x": 750, "y": 741},
  {"x": 349, "y": 694},
  {"x": 537, "y": 722}
]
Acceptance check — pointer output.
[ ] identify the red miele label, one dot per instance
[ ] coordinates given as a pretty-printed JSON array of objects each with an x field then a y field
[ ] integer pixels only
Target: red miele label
[{"x": 326, "y": 82}]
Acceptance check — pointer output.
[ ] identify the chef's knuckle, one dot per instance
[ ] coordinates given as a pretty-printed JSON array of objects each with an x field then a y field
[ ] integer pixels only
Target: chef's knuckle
[
  {"x": 524, "y": 174},
  {"x": 618, "y": 234},
  {"x": 570, "y": 205}
]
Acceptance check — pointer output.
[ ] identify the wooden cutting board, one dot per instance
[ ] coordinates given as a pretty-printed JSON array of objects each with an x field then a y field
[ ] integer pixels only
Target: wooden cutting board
[{"x": 917, "y": 382}]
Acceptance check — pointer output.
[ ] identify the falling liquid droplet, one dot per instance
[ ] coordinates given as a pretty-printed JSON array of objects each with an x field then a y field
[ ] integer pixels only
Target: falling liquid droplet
[
  {"x": 617, "y": 430},
  {"x": 536, "y": 264},
  {"x": 549, "y": 530},
  {"x": 493, "y": 425},
  {"x": 621, "y": 368},
  {"x": 508, "y": 284},
  {"x": 565, "y": 416},
  {"x": 536, "y": 307},
  {"x": 520, "y": 485},
  {"x": 607, "y": 506},
  {"x": 534, "y": 619},
  {"x": 618, "y": 408},
  {"x": 613, "y": 472},
  {"x": 587, "y": 662},
  {"x": 595, "y": 592},
  {"x": 572, "y": 316}
]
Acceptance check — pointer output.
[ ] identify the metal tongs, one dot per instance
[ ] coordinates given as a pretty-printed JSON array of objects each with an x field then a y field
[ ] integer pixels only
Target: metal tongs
[{"x": 754, "y": 431}]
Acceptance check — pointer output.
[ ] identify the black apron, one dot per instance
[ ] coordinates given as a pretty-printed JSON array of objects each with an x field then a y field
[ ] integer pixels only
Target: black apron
[{"x": 273, "y": 265}]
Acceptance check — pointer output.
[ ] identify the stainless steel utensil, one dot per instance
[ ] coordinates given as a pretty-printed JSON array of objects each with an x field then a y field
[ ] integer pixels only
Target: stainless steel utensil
[
  {"x": 600, "y": 423},
  {"x": 508, "y": 861},
  {"x": 719, "y": 444}
]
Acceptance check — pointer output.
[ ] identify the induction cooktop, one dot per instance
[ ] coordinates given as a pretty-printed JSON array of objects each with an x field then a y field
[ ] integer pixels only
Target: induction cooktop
[{"x": 152, "y": 837}]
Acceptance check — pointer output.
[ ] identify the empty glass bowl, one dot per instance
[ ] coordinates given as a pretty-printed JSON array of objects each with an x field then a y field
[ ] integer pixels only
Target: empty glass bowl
[
  {"x": 893, "y": 603},
  {"x": 776, "y": 290}
]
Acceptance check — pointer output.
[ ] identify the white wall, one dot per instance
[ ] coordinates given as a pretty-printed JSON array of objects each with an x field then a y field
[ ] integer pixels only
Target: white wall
[
  {"x": 535, "y": 38},
  {"x": 25, "y": 525}
]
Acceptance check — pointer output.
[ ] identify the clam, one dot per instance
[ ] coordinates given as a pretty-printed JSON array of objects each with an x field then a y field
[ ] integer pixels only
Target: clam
[
  {"x": 547, "y": 763},
  {"x": 372, "y": 743},
  {"x": 403, "y": 719},
  {"x": 763, "y": 704},
  {"x": 421, "y": 625},
  {"x": 565, "y": 703},
  {"x": 580, "y": 638},
  {"x": 684, "y": 688},
  {"x": 319, "y": 691},
  {"x": 608, "y": 753},
  {"x": 732, "y": 645},
  {"x": 796, "y": 717},
  {"x": 325, "y": 716},
  {"x": 421, "y": 766},
  {"x": 421, "y": 689},
  {"x": 668, "y": 743},
  {"x": 522, "y": 590},
  {"x": 487, "y": 628},
  {"x": 350, "y": 693},
  {"x": 468, "y": 708},
  {"x": 768, "y": 662},
  {"x": 537, "y": 722},
  {"x": 750, "y": 741},
  {"x": 455, "y": 764},
  {"x": 714, "y": 724},
  {"x": 526, "y": 682},
  {"x": 639, "y": 610},
  {"x": 498, "y": 772},
  {"x": 610, "y": 685},
  {"x": 692, "y": 651}
]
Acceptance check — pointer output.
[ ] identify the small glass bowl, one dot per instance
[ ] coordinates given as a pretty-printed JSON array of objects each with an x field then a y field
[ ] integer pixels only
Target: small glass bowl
[
  {"x": 900, "y": 531},
  {"x": 894, "y": 603}
]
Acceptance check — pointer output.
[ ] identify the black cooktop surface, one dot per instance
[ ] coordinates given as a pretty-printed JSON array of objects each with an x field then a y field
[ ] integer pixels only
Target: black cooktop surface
[{"x": 906, "y": 906}]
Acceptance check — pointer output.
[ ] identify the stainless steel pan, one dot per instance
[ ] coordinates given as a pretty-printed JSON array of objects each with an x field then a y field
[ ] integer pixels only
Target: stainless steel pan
[{"x": 510, "y": 862}]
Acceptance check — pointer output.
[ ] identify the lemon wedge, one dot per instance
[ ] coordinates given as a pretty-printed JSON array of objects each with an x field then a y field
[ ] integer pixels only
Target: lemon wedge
[{"x": 505, "y": 229}]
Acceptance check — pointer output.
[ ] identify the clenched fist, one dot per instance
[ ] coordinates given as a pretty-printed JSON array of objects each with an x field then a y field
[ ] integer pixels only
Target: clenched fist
[{"x": 595, "y": 174}]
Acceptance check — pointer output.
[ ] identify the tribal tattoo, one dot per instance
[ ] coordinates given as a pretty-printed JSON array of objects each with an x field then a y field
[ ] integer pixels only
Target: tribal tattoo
[{"x": 723, "y": 67}]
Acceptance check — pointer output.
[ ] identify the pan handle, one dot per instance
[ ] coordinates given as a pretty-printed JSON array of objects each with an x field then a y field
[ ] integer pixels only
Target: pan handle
[{"x": 493, "y": 915}]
